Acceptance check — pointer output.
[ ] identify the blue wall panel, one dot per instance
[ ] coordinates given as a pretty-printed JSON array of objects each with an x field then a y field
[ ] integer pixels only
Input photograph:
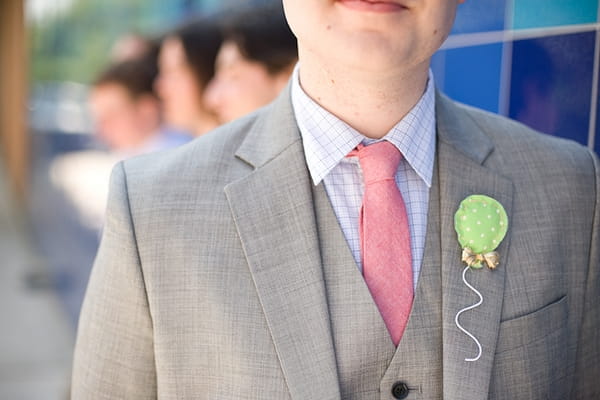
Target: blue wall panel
[
  {"x": 470, "y": 74},
  {"x": 551, "y": 84},
  {"x": 546, "y": 13}
]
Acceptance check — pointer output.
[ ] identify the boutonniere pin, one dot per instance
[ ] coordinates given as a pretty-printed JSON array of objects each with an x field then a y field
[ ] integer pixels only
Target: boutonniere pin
[{"x": 481, "y": 224}]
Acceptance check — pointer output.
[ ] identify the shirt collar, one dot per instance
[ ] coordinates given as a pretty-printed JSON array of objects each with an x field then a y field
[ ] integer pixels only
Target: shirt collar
[{"x": 327, "y": 139}]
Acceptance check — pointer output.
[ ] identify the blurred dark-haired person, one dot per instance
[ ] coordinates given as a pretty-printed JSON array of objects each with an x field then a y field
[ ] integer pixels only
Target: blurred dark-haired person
[
  {"x": 127, "y": 112},
  {"x": 128, "y": 122},
  {"x": 186, "y": 65},
  {"x": 254, "y": 63}
]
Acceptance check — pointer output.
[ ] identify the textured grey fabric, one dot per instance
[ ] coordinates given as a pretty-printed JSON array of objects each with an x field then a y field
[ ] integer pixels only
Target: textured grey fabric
[{"x": 209, "y": 283}]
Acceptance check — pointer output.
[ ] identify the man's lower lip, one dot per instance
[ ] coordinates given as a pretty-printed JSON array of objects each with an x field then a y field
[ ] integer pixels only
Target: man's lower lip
[{"x": 362, "y": 5}]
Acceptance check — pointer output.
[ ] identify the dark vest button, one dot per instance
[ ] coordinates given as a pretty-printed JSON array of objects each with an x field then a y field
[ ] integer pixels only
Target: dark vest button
[{"x": 400, "y": 390}]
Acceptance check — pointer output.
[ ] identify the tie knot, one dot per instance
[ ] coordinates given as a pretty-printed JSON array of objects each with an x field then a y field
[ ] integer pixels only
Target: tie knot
[{"x": 378, "y": 161}]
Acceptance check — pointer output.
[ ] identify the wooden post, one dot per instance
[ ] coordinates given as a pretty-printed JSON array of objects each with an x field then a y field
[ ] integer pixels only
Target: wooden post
[{"x": 14, "y": 137}]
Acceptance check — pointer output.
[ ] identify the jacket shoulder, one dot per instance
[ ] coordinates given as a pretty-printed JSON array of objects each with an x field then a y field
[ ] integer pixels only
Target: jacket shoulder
[{"x": 209, "y": 158}]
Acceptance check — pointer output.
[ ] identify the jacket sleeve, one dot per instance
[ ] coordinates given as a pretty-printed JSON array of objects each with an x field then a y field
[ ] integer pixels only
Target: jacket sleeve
[
  {"x": 114, "y": 356},
  {"x": 587, "y": 373}
]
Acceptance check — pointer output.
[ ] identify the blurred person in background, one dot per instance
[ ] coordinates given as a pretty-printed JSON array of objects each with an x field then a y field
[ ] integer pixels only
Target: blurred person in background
[
  {"x": 254, "y": 63},
  {"x": 128, "y": 121},
  {"x": 186, "y": 65},
  {"x": 127, "y": 112}
]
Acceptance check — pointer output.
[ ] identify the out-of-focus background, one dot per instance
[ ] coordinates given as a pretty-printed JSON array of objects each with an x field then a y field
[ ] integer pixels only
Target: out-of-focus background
[{"x": 86, "y": 83}]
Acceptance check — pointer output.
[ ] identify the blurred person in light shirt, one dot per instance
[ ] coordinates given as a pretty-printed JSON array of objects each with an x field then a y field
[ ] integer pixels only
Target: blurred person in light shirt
[
  {"x": 186, "y": 65},
  {"x": 254, "y": 63},
  {"x": 128, "y": 121}
]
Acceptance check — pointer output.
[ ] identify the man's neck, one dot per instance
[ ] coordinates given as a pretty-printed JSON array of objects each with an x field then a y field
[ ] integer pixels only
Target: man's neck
[{"x": 370, "y": 104}]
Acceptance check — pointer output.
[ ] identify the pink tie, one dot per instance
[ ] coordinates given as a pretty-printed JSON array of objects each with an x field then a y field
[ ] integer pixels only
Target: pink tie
[{"x": 385, "y": 236}]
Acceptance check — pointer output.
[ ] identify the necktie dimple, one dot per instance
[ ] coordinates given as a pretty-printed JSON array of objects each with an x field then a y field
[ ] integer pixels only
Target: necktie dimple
[{"x": 385, "y": 236}]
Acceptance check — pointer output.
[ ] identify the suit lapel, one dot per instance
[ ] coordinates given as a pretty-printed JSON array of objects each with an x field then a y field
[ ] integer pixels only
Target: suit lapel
[
  {"x": 274, "y": 215},
  {"x": 463, "y": 153}
]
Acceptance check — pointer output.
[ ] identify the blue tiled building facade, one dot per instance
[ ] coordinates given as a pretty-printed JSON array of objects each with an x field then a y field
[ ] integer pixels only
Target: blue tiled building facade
[{"x": 533, "y": 60}]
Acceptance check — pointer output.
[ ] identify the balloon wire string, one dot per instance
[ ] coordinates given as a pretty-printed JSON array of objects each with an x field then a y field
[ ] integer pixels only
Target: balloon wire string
[{"x": 467, "y": 309}]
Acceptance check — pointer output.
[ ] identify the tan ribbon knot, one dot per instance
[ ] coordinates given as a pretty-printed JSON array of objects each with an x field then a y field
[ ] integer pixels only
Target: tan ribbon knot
[{"x": 492, "y": 259}]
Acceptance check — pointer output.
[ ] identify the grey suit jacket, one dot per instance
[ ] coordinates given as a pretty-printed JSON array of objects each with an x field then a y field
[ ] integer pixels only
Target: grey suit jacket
[{"x": 209, "y": 280}]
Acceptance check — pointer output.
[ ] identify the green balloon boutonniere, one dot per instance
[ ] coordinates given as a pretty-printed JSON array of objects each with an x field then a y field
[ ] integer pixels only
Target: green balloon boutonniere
[{"x": 481, "y": 224}]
